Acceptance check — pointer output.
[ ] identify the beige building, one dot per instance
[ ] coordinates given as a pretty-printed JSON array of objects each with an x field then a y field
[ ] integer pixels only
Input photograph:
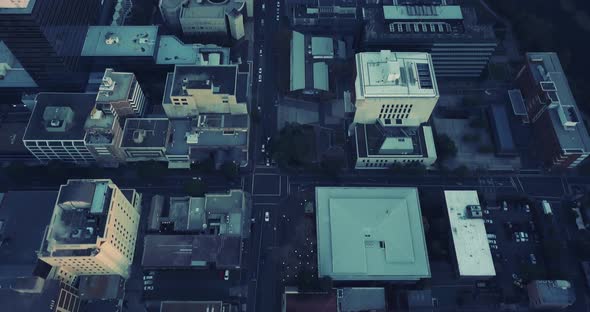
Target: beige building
[
  {"x": 193, "y": 90},
  {"x": 120, "y": 94},
  {"x": 93, "y": 229},
  {"x": 398, "y": 87}
]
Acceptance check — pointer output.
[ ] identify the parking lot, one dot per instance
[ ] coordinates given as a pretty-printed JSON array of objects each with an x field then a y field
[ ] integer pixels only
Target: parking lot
[{"x": 515, "y": 246}]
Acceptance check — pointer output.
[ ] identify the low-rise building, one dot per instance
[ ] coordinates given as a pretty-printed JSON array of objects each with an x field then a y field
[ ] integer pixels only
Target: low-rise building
[
  {"x": 471, "y": 248},
  {"x": 311, "y": 57},
  {"x": 370, "y": 234},
  {"x": 333, "y": 15},
  {"x": 550, "y": 295},
  {"x": 562, "y": 140},
  {"x": 93, "y": 229},
  {"x": 397, "y": 87},
  {"x": 145, "y": 139},
  {"x": 378, "y": 146},
  {"x": 198, "y": 232},
  {"x": 353, "y": 299}
]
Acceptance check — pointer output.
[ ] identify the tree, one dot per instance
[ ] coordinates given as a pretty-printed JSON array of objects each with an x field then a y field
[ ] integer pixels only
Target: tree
[
  {"x": 478, "y": 123},
  {"x": 470, "y": 101},
  {"x": 294, "y": 146},
  {"x": 229, "y": 170},
  {"x": 195, "y": 188},
  {"x": 470, "y": 137},
  {"x": 485, "y": 149},
  {"x": 445, "y": 147}
]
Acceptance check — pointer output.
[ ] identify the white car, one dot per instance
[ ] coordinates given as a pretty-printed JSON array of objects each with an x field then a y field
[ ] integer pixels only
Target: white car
[
  {"x": 259, "y": 78},
  {"x": 148, "y": 282},
  {"x": 150, "y": 287},
  {"x": 494, "y": 246},
  {"x": 527, "y": 208},
  {"x": 488, "y": 221},
  {"x": 260, "y": 69},
  {"x": 148, "y": 277},
  {"x": 533, "y": 259},
  {"x": 266, "y": 216},
  {"x": 263, "y": 148},
  {"x": 268, "y": 162},
  {"x": 492, "y": 236},
  {"x": 505, "y": 206},
  {"x": 492, "y": 241},
  {"x": 226, "y": 275},
  {"x": 260, "y": 52}
]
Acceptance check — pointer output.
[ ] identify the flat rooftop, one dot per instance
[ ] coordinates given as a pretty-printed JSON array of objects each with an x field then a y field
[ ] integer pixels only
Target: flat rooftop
[
  {"x": 220, "y": 79},
  {"x": 185, "y": 251},
  {"x": 115, "y": 86},
  {"x": 146, "y": 132},
  {"x": 80, "y": 212},
  {"x": 395, "y": 74},
  {"x": 16, "y": 76},
  {"x": 134, "y": 41},
  {"x": 59, "y": 116},
  {"x": 18, "y": 255},
  {"x": 547, "y": 71},
  {"x": 370, "y": 233},
  {"x": 425, "y": 24},
  {"x": 16, "y": 6},
  {"x": 469, "y": 236},
  {"x": 379, "y": 141},
  {"x": 172, "y": 50}
]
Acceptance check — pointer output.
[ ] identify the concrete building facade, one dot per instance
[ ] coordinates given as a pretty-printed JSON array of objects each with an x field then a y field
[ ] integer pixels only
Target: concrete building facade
[
  {"x": 93, "y": 229},
  {"x": 399, "y": 88},
  {"x": 120, "y": 94}
]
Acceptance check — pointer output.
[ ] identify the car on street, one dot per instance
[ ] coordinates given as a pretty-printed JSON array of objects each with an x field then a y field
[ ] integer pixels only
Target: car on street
[
  {"x": 488, "y": 221},
  {"x": 527, "y": 208},
  {"x": 226, "y": 275},
  {"x": 148, "y": 277},
  {"x": 268, "y": 162},
  {"x": 149, "y": 287},
  {"x": 263, "y": 149},
  {"x": 492, "y": 241},
  {"x": 494, "y": 246},
  {"x": 259, "y": 78},
  {"x": 148, "y": 282},
  {"x": 260, "y": 52},
  {"x": 492, "y": 236},
  {"x": 504, "y": 206},
  {"x": 266, "y": 216}
]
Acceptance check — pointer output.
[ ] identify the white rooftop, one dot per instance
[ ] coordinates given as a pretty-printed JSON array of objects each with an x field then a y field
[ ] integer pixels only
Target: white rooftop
[
  {"x": 14, "y": 4},
  {"x": 370, "y": 233},
  {"x": 469, "y": 236},
  {"x": 395, "y": 74}
]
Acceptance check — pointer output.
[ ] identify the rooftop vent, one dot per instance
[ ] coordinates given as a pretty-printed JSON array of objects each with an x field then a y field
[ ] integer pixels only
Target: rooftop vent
[
  {"x": 138, "y": 136},
  {"x": 111, "y": 38},
  {"x": 474, "y": 212},
  {"x": 55, "y": 123}
]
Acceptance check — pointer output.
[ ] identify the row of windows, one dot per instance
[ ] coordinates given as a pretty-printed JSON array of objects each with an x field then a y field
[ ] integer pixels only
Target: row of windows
[{"x": 386, "y": 162}]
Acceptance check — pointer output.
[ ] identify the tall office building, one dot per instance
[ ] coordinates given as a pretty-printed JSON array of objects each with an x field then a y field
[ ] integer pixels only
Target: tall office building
[
  {"x": 459, "y": 44},
  {"x": 93, "y": 229},
  {"x": 398, "y": 88},
  {"x": 46, "y": 37},
  {"x": 562, "y": 138},
  {"x": 120, "y": 94}
]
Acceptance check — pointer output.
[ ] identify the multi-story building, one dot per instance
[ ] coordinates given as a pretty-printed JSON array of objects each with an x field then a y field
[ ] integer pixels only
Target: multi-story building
[
  {"x": 47, "y": 39},
  {"x": 397, "y": 87},
  {"x": 459, "y": 44},
  {"x": 334, "y": 15},
  {"x": 103, "y": 137},
  {"x": 550, "y": 295},
  {"x": 208, "y": 17},
  {"x": 93, "y": 229},
  {"x": 562, "y": 137},
  {"x": 145, "y": 139},
  {"x": 192, "y": 90},
  {"x": 120, "y": 94},
  {"x": 223, "y": 137},
  {"x": 394, "y": 95},
  {"x": 197, "y": 232},
  {"x": 56, "y": 127}
]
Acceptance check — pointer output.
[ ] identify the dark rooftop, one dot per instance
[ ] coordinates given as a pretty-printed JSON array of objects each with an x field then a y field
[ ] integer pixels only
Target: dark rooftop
[
  {"x": 18, "y": 208},
  {"x": 32, "y": 302},
  {"x": 378, "y": 27},
  {"x": 192, "y": 306},
  {"x": 221, "y": 79},
  {"x": 60, "y": 116},
  {"x": 146, "y": 132},
  {"x": 501, "y": 130},
  {"x": 100, "y": 287},
  {"x": 185, "y": 251},
  {"x": 179, "y": 129},
  {"x": 311, "y": 302}
]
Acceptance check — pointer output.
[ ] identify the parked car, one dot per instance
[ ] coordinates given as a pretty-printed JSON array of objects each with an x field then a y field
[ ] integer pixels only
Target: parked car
[
  {"x": 266, "y": 216},
  {"x": 504, "y": 206},
  {"x": 226, "y": 275},
  {"x": 493, "y": 246},
  {"x": 148, "y": 282},
  {"x": 488, "y": 221},
  {"x": 527, "y": 208},
  {"x": 492, "y": 241},
  {"x": 492, "y": 236},
  {"x": 148, "y": 277},
  {"x": 150, "y": 287}
]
